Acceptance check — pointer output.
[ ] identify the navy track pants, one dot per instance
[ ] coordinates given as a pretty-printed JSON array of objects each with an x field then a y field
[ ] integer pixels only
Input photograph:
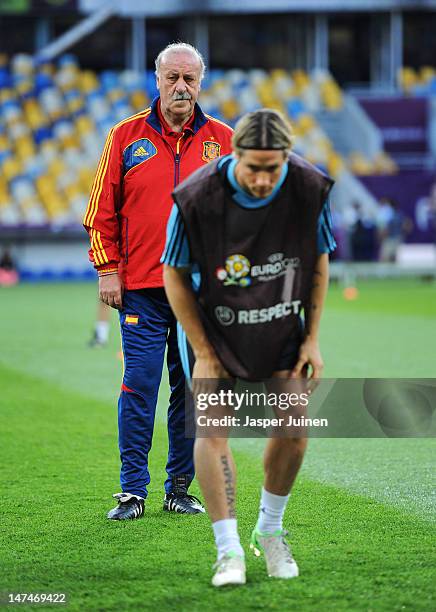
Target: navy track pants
[{"x": 148, "y": 326}]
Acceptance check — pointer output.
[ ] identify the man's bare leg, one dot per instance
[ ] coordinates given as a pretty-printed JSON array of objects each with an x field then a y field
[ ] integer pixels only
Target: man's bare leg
[
  {"x": 216, "y": 474},
  {"x": 283, "y": 457},
  {"x": 282, "y": 460}
]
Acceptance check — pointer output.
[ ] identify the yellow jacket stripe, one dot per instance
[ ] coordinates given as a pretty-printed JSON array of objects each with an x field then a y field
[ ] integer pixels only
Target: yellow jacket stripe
[
  {"x": 103, "y": 174},
  {"x": 89, "y": 208},
  {"x": 97, "y": 248},
  {"x": 102, "y": 252},
  {"x": 99, "y": 260},
  {"x": 100, "y": 179},
  {"x": 94, "y": 249},
  {"x": 102, "y": 169}
]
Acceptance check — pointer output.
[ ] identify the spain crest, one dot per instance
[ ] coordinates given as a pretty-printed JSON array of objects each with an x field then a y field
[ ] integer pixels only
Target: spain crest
[{"x": 211, "y": 150}]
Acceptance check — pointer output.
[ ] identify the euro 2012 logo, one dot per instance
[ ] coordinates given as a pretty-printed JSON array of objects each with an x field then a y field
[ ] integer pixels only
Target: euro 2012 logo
[{"x": 236, "y": 271}]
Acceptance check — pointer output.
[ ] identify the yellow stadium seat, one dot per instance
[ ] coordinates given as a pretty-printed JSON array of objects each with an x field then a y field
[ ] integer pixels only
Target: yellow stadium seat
[
  {"x": 75, "y": 104},
  {"x": 139, "y": 100},
  {"x": 305, "y": 123},
  {"x": 11, "y": 168},
  {"x": 49, "y": 148},
  {"x": 278, "y": 73},
  {"x": 301, "y": 80},
  {"x": 68, "y": 79},
  {"x": 23, "y": 87},
  {"x": 25, "y": 148},
  {"x": 29, "y": 105},
  {"x": 115, "y": 94},
  {"x": 267, "y": 93},
  {"x": 84, "y": 124},
  {"x": 69, "y": 141},
  {"x": 407, "y": 79},
  {"x": 335, "y": 164},
  {"x": 269, "y": 100},
  {"x": 426, "y": 74},
  {"x": 5, "y": 199},
  {"x": 4, "y": 142},
  {"x": 325, "y": 144},
  {"x": 4, "y": 192},
  {"x": 331, "y": 94},
  {"x": 56, "y": 114},
  {"x": 7, "y": 94},
  {"x": 230, "y": 109},
  {"x": 36, "y": 119},
  {"x": 278, "y": 106},
  {"x": 56, "y": 167},
  {"x": 72, "y": 191},
  {"x": 45, "y": 184},
  {"x": 86, "y": 178},
  {"x": 55, "y": 205},
  {"x": 359, "y": 164},
  {"x": 384, "y": 164},
  {"x": 48, "y": 69},
  {"x": 87, "y": 81}
]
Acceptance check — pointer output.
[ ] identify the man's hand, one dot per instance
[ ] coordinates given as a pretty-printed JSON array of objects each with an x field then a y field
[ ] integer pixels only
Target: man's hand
[
  {"x": 206, "y": 371},
  {"x": 111, "y": 290},
  {"x": 209, "y": 367},
  {"x": 310, "y": 355}
]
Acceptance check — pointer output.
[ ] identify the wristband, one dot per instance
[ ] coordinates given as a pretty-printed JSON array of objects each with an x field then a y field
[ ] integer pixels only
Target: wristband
[{"x": 107, "y": 272}]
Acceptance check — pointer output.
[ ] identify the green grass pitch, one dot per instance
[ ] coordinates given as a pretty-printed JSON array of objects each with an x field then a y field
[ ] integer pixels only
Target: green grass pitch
[{"x": 361, "y": 515}]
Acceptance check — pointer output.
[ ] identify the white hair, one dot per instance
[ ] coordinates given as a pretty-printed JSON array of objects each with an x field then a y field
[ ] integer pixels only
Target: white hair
[{"x": 177, "y": 48}]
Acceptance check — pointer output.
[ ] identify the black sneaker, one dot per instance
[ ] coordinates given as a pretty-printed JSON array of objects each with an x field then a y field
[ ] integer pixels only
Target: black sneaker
[
  {"x": 95, "y": 342},
  {"x": 183, "y": 504},
  {"x": 129, "y": 507},
  {"x": 179, "y": 499}
]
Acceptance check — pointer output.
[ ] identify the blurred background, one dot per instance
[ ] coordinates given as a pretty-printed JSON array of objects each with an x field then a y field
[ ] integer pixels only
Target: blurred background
[{"x": 356, "y": 78}]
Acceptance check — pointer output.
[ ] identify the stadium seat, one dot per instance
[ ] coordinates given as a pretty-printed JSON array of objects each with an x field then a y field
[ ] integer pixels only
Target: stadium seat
[
  {"x": 56, "y": 116},
  {"x": 359, "y": 164}
]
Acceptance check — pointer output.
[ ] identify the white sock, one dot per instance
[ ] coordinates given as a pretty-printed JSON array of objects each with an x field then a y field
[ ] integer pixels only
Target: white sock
[
  {"x": 102, "y": 330},
  {"x": 272, "y": 509},
  {"x": 227, "y": 537}
]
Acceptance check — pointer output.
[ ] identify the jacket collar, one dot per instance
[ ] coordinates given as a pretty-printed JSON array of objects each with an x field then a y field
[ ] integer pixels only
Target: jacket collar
[{"x": 153, "y": 118}]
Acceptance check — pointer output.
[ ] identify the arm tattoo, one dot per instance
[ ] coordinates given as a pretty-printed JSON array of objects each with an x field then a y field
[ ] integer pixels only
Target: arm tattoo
[{"x": 229, "y": 486}]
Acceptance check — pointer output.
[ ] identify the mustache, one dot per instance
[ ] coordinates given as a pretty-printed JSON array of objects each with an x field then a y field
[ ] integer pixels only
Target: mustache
[{"x": 181, "y": 96}]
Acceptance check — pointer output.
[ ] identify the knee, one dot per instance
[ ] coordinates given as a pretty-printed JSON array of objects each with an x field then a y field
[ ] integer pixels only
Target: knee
[
  {"x": 296, "y": 446},
  {"x": 136, "y": 380},
  {"x": 299, "y": 443},
  {"x": 212, "y": 445}
]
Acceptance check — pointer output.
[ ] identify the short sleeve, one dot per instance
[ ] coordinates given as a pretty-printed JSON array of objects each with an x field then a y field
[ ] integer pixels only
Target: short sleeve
[
  {"x": 176, "y": 253},
  {"x": 326, "y": 240}
]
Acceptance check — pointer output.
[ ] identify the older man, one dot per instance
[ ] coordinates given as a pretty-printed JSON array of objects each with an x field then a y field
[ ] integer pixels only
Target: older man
[{"x": 144, "y": 158}]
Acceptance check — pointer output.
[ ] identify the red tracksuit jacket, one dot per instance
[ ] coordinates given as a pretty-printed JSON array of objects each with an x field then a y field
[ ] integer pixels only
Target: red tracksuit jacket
[{"x": 131, "y": 200}]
